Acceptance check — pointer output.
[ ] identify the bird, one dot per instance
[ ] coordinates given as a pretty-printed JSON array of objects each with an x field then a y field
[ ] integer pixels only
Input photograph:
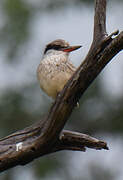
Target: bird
[{"x": 55, "y": 68}]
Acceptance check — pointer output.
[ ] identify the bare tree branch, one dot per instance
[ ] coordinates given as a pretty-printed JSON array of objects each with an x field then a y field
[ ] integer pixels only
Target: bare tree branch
[
  {"x": 78, "y": 141},
  {"x": 99, "y": 21},
  {"x": 47, "y": 136},
  {"x": 24, "y": 146}
]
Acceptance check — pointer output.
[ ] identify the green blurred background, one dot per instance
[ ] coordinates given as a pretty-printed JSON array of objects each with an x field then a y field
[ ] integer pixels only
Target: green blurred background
[{"x": 25, "y": 28}]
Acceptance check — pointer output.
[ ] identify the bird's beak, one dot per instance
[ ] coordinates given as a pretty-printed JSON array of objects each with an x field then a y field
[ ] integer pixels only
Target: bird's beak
[{"x": 71, "y": 48}]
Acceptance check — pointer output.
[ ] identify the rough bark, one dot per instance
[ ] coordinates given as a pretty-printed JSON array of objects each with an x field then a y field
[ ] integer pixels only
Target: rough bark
[{"x": 48, "y": 136}]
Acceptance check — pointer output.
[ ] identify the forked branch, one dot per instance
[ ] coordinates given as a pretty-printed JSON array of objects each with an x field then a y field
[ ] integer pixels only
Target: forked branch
[{"x": 47, "y": 135}]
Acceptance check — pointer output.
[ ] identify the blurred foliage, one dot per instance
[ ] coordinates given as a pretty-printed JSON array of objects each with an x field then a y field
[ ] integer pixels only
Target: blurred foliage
[
  {"x": 98, "y": 113},
  {"x": 97, "y": 172},
  {"x": 45, "y": 166},
  {"x": 13, "y": 113},
  {"x": 15, "y": 30},
  {"x": 17, "y": 15}
]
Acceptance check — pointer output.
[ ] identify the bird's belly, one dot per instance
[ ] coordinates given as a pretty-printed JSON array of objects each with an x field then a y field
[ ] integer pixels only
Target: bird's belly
[{"x": 54, "y": 84}]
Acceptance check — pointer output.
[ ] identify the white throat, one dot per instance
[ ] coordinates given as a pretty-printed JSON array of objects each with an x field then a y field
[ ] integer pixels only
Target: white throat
[{"x": 52, "y": 52}]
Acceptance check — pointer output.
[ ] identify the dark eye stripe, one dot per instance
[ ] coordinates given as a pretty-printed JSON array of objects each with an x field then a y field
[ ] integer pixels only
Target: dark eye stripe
[{"x": 56, "y": 47}]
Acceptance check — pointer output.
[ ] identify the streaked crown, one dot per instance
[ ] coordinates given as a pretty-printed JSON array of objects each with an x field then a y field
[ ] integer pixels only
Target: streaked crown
[{"x": 56, "y": 45}]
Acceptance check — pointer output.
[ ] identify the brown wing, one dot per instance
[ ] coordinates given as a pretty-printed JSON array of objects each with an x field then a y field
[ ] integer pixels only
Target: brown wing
[{"x": 70, "y": 66}]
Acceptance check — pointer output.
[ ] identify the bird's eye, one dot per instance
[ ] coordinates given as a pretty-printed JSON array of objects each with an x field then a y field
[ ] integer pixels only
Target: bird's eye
[{"x": 57, "y": 47}]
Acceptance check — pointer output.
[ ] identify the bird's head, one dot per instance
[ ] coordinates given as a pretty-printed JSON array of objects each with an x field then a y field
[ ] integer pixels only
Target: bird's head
[{"x": 60, "y": 45}]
